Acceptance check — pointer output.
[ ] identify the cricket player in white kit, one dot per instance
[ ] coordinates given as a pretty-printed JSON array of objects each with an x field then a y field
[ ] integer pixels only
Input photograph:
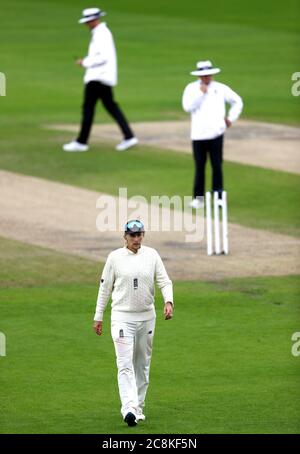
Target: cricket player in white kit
[{"x": 129, "y": 276}]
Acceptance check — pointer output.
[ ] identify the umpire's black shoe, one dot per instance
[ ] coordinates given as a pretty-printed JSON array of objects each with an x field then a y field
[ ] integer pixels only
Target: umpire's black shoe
[{"x": 130, "y": 419}]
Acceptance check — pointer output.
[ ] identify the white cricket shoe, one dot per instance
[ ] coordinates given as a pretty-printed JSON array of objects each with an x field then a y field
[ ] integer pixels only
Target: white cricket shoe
[
  {"x": 127, "y": 143},
  {"x": 75, "y": 146},
  {"x": 140, "y": 417},
  {"x": 196, "y": 203}
]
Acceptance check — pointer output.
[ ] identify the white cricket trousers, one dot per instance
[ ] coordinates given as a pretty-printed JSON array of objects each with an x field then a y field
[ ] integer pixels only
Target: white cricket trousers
[{"x": 133, "y": 344}]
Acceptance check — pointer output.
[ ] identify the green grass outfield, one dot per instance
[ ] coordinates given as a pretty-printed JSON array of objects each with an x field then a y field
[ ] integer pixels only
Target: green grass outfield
[
  {"x": 256, "y": 45},
  {"x": 222, "y": 365}
]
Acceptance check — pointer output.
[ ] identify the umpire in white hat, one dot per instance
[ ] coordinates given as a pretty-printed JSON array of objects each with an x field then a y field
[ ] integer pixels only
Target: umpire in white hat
[
  {"x": 129, "y": 276},
  {"x": 100, "y": 76},
  {"x": 206, "y": 101}
]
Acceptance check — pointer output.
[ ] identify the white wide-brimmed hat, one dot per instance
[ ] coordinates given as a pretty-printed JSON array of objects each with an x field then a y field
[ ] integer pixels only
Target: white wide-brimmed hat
[
  {"x": 205, "y": 68},
  {"x": 90, "y": 14}
]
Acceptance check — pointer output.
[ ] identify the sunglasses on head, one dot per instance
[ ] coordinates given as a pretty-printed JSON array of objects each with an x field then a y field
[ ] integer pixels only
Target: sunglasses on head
[{"x": 134, "y": 226}]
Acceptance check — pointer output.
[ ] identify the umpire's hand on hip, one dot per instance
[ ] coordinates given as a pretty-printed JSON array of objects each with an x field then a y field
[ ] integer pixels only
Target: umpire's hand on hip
[
  {"x": 168, "y": 310},
  {"x": 98, "y": 328}
]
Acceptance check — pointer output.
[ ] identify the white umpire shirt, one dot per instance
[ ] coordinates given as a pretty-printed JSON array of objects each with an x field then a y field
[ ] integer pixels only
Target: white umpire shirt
[
  {"x": 129, "y": 278},
  {"x": 101, "y": 61},
  {"x": 208, "y": 110}
]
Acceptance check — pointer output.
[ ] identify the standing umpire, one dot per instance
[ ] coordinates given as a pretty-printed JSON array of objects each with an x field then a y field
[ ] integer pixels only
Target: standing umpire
[
  {"x": 206, "y": 100},
  {"x": 100, "y": 77}
]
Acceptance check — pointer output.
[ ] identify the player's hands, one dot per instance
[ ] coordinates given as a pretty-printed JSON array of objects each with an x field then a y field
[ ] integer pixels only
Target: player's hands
[
  {"x": 98, "y": 328},
  {"x": 203, "y": 87},
  {"x": 168, "y": 311},
  {"x": 79, "y": 61},
  {"x": 228, "y": 122}
]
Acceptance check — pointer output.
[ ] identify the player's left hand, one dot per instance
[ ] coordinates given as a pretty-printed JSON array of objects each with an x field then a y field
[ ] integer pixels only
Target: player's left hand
[
  {"x": 98, "y": 327},
  {"x": 228, "y": 122},
  {"x": 168, "y": 310}
]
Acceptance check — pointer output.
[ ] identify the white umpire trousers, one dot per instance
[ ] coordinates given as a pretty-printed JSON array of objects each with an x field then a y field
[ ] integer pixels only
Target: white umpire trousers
[{"x": 133, "y": 345}]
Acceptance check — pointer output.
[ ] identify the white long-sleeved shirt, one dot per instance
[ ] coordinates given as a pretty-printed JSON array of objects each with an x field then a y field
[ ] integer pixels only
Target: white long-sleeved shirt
[
  {"x": 129, "y": 278},
  {"x": 208, "y": 110},
  {"x": 101, "y": 61}
]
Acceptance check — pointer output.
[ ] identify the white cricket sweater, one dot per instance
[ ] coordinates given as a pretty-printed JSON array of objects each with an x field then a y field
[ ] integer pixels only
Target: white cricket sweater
[
  {"x": 129, "y": 278},
  {"x": 208, "y": 109},
  {"x": 101, "y": 61}
]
